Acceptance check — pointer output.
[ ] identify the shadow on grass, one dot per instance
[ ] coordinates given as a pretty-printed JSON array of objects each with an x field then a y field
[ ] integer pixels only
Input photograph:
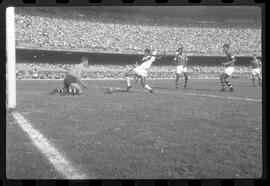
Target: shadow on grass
[
  {"x": 117, "y": 91},
  {"x": 200, "y": 89},
  {"x": 164, "y": 88}
]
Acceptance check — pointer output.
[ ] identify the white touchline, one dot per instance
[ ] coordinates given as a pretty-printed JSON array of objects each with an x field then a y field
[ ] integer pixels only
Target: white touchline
[
  {"x": 193, "y": 94},
  {"x": 51, "y": 153}
]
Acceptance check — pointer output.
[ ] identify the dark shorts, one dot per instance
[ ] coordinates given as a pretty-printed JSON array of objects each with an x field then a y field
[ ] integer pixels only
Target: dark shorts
[{"x": 69, "y": 79}]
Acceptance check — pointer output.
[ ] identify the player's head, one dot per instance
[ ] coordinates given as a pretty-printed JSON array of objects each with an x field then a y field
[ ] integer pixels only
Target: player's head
[
  {"x": 180, "y": 49},
  {"x": 226, "y": 48},
  {"x": 84, "y": 61},
  {"x": 147, "y": 51},
  {"x": 254, "y": 56}
]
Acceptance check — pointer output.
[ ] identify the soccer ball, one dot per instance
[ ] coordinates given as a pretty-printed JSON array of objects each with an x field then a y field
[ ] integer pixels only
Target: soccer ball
[{"x": 109, "y": 90}]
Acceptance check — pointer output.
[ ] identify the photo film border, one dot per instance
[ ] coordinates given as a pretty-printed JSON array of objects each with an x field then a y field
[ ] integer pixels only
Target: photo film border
[{"x": 128, "y": 182}]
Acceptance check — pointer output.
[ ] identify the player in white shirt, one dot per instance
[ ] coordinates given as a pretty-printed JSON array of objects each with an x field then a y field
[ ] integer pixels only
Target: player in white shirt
[{"x": 141, "y": 71}]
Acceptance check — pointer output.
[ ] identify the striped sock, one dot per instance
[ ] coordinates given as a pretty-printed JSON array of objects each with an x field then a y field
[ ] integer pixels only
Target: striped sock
[
  {"x": 176, "y": 83},
  {"x": 73, "y": 91},
  {"x": 228, "y": 84},
  {"x": 60, "y": 90},
  {"x": 253, "y": 82},
  {"x": 186, "y": 81}
]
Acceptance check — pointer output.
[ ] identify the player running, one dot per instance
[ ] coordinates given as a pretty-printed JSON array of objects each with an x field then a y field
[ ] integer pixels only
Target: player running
[
  {"x": 181, "y": 62},
  {"x": 72, "y": 81},
  {"x": 229, "y": 68},
  {"x": 141, "y": 71},
  {"x": 255, "y": 65}
]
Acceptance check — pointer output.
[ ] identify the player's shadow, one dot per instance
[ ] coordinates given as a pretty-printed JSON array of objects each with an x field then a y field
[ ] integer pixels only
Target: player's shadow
[
  {"x": 200, "y": 89},
  {"x": 188, "y": 88},
  {"x": 164, "y": 88},
  {"x": 118, "y": 91}
]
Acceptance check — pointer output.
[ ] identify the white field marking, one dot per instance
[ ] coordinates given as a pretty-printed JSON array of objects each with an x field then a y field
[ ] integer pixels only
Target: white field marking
[
  {"x": 51, "y": 153},
  {"x": 192, "y": 94}
]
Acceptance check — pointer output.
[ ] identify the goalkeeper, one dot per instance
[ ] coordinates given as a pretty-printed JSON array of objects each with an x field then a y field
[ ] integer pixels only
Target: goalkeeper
[{"x": 72, "y": 81}]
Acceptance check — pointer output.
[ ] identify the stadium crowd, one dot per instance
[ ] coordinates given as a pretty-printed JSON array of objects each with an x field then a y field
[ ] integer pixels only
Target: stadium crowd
[
  {"x": 122, "y": 33},
  {"x": 58, "y": 71}
]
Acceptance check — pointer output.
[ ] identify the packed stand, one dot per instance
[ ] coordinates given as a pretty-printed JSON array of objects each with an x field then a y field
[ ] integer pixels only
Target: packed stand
[{"x": 123, "y": 33}]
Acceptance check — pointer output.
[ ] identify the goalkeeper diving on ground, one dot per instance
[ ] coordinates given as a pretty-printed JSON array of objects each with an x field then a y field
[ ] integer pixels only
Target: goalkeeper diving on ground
[{"x": 72, "y": 81}]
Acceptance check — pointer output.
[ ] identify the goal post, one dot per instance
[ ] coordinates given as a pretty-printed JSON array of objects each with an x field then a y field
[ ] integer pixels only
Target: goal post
[{"x": 11, "y": 58}]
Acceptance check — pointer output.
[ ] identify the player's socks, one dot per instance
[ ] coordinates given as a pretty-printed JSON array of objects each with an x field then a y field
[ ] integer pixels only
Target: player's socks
[
  {"x": 128, "y": 82},
  {"x": 229, "y": 84},
  {"x": 148, "y": 88},
  {"x": 223, "y": 84},
  {"x": 55, "y": 90},
  {"x": 177, "y": 83},
  {"x": 186, "y": 81},
  {"x": 73, "y": 91},
  {"x": 128, "y": 88},
  {"x": 253, "y": 82},
  {"x": 259, "y": 80}
]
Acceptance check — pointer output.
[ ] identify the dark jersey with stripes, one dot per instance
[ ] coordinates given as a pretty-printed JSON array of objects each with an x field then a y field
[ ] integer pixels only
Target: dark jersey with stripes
[
  {"x": 255, "y": 63},
  {"x": 181, "y": 59},
  {"x": 229, "y": 57}
]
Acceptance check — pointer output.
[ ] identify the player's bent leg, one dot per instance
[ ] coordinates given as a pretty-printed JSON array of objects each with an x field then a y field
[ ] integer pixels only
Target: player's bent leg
[
  {"x": 186, "y": 79},
  {"x": 228, "y": 83},
  {"x": 222, "y": 81},
  {"x": 177, "y": 80},
  {"x": 258, "y": 77},
  {"x": 253, "y": 80}
]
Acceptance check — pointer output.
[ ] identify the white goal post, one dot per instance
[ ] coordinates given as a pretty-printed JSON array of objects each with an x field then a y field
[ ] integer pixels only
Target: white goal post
[{"x": 11, "y": 58}]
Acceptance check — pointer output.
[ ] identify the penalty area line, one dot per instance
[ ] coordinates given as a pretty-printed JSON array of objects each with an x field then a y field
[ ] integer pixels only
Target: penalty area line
[
  {"x": 194, "y": 94},
  {"x": 60, "y": 163}
]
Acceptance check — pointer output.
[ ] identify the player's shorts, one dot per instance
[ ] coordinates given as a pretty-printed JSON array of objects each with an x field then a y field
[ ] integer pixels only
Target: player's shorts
[
  {"x": 256, "y": 71},
  {"x": 141, "y": 71},
  {"x": 181, "y": 69},
  {"x": 229, "y": 70},
  {"x": 69, "y": 79}
]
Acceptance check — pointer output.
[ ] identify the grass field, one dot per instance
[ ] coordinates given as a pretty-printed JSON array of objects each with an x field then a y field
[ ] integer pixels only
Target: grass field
[{"x": 196, "y": 132}]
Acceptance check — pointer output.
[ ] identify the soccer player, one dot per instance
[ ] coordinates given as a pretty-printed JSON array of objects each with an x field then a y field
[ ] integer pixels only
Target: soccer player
[
  {"x": 229, "y": 68},
  {"x": 141, "y": 71},
  {"x": 181, "y": 62},
  {"x": 35, "y": 73},
  {"x": 255, "y": 65},
  {"x": 72, "y": 81}
]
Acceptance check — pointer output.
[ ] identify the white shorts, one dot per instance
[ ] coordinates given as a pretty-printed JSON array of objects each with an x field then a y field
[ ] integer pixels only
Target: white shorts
[
  {"x": 141, "y": 71},
  {"x": 229, "y": 70},
  {"x": 181, "y": 69},
  {"x": 256, "y": 71}
]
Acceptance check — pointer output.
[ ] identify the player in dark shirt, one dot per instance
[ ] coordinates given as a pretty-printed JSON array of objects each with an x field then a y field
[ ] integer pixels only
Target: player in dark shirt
[
  {"x": 72, "y": 81},
  {"x": 255, "y": 65},
  {"x": 229, "y": 68},
  {"x": 181, "y": 62}
]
